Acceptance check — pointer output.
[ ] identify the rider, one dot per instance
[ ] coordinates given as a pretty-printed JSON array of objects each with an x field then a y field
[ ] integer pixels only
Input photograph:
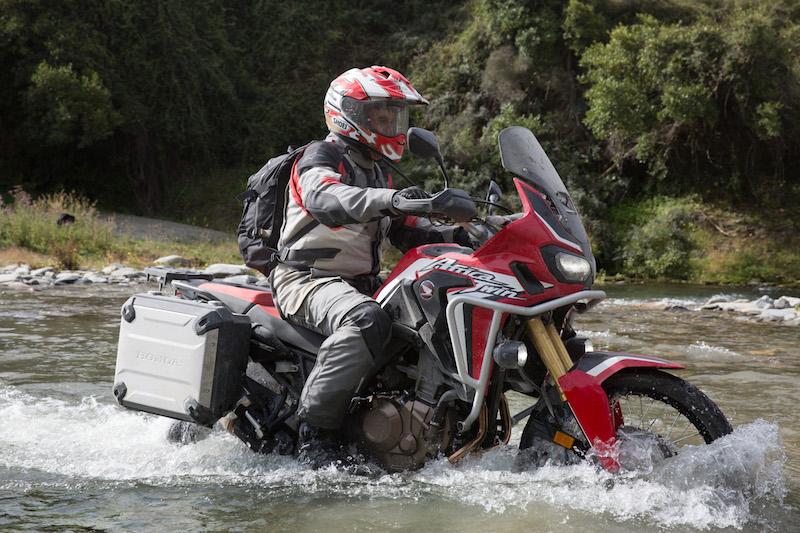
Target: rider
[{"x": 338, "y": 210}]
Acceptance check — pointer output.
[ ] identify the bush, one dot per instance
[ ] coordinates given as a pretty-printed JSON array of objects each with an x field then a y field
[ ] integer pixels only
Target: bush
[{"x": 654, "y": 238}]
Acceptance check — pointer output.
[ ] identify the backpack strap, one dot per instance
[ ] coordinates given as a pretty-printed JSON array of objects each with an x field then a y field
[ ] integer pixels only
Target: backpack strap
[{"x": 297, "y": 258}]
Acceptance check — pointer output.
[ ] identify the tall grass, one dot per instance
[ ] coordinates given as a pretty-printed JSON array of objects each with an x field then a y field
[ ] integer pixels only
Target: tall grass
[
  {"x": 28, "y": 229},
  {"x": 31, "y": 224}
]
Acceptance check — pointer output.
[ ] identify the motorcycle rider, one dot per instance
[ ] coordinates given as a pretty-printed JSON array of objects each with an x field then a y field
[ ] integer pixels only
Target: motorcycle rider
[{"x": 338, "y": 211}]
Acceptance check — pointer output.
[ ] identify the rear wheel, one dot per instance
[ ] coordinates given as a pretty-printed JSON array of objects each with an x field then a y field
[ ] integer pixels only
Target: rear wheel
[{"x": 657, "y": 404}]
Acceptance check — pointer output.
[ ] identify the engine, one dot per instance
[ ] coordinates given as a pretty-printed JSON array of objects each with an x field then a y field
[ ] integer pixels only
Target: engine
[{"x": 397, "y": 432}]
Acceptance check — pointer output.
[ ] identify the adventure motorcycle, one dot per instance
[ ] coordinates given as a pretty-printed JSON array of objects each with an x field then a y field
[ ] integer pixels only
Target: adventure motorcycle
[{"x": 469, "y": 326}]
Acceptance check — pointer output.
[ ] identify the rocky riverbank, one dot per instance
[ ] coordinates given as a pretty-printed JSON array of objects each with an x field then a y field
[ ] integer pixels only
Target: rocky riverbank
[
  {"x": 784, "y": 310},
  {"x": 22, "y": 277}
]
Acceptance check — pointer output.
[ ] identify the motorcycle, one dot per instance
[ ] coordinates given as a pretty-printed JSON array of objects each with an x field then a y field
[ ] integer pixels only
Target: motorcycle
[{"x": 469, "y": 327}]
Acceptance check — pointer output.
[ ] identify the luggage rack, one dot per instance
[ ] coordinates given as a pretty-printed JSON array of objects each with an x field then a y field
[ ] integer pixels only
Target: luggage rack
[{"x": 166, "y": 275}]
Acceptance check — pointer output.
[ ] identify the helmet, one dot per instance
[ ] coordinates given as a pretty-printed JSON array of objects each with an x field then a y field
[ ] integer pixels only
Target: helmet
[{"x": 370, "y": 106}]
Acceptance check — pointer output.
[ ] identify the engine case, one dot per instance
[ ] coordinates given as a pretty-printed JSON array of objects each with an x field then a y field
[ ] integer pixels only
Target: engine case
[{"x": 398, "y": 434}]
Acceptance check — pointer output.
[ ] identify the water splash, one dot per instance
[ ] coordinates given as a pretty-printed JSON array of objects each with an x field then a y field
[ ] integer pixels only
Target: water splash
[{"x": 722, "y": 485}]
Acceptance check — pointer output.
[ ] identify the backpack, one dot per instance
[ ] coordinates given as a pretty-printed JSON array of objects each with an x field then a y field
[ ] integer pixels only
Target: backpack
[{"x": 262, "y": 215}]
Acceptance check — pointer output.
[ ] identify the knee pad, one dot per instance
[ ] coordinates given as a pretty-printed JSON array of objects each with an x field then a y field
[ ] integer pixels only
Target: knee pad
[{"x": 373, "y": 323}]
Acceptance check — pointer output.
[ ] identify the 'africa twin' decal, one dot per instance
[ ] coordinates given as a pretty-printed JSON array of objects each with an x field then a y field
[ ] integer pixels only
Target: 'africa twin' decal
[{"x": 487, "y": 284}]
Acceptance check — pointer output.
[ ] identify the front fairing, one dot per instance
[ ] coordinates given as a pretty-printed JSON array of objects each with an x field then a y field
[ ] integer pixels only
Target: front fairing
[{"x": 544, "y": 192}]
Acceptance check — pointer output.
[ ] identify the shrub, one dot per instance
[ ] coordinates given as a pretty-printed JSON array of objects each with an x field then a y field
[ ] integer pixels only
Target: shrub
[{"x": 654, "y": 238}]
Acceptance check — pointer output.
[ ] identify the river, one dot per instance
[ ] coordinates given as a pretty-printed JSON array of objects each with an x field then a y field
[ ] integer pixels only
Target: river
[{"x": 71, "y": 459}]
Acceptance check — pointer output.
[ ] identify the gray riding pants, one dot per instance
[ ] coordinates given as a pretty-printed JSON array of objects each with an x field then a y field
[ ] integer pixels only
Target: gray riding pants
[{"x": 356, "y": 328}]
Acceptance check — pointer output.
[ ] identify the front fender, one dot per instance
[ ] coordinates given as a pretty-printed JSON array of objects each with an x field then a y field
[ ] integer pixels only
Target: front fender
[{"x": 583, "y": 388}]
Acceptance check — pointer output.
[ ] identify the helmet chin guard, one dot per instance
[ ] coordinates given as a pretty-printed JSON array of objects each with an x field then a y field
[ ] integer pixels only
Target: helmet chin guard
[{"x": 370, "y": 106}]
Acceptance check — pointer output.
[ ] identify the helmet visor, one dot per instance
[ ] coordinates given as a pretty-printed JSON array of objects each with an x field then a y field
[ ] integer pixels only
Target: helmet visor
[{"x": 384, "y": 117}]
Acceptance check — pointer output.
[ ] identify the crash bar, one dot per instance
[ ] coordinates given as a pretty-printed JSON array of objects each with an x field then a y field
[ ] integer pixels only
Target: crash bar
[{"x": 457, "y": 329}]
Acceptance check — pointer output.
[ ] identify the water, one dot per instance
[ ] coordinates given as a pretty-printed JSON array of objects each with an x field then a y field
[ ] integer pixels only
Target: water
[{"x": 72, "y": 460}]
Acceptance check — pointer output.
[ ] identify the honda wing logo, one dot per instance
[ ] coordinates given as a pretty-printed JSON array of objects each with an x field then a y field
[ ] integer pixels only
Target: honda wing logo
[{"x": 426, "y": 289}]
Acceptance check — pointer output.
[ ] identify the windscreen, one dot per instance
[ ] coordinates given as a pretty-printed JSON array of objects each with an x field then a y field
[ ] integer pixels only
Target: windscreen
[{"x": 522, "y": 154}]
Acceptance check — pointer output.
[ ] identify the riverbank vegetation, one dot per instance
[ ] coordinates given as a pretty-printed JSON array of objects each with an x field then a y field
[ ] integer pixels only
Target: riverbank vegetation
[
  {"x": 675, "y": 124},
  {"x": 31, "y": 232}
]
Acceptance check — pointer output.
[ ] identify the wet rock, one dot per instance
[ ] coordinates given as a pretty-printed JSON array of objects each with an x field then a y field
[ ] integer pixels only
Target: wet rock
[
  {"x": 18, "y": 285},
  {"x": 127, "y": 273},
  {"x": 777, "y": 315},
  {"x": 67, "y": 277},
  {"x": 765, "y": 302}
]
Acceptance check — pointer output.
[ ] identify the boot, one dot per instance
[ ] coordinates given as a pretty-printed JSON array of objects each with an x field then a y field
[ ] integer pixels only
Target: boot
[{"x": 319, "y": 447}]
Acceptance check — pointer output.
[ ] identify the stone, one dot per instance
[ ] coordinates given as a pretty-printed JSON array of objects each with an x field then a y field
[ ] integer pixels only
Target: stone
[
  {"x": 39, "y": 272},
  {"x": 765, "y": 302},
  {"x": 110, "y": 268},
  {"x": 245, "y": 279},
  {"x": 719, "y": 298},
  {"x": 776, "y": 315},
  {"x": 222, "y": 270},
  {"x": 173, "y": 260},
  {"x": 67, "y": 277},
  {"x": 793, "y": 302},
  {"x": 18, "y": 285},
  {"x": 8, "y": 278},
  {"x": 126, "y": 273}
]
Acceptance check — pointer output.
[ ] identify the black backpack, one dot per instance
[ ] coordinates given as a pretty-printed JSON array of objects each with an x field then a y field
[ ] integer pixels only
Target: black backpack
[{"x": 262, "y": 216}]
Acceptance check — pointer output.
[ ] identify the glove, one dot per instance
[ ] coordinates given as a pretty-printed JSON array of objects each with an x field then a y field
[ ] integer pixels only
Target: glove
[
  {"x": 413, "y": 193},
  {"x": 408, "y": 200}
]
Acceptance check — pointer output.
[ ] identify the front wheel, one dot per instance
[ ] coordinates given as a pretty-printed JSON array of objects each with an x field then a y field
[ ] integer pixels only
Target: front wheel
[{"x": 651, "y": 402}]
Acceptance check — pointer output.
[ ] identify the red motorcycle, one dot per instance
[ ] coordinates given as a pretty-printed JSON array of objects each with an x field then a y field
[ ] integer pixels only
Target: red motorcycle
[{"x": 470, "y": 325}]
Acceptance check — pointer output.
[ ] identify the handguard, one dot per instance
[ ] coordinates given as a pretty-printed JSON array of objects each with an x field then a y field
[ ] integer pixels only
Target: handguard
[{"x": 453, "y": 203}]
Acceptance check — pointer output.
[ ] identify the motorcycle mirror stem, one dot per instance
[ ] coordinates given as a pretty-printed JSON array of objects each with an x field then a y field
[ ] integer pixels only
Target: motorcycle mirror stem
[{"x": 424, "y": 144}]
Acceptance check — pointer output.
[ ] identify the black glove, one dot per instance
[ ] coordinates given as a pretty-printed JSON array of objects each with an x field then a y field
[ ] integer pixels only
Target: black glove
[
  {"x": 413, "y": 193},
  {"x": 409, "y": 201}
]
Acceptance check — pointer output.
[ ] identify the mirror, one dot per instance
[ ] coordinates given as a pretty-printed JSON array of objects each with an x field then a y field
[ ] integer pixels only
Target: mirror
[
  {"x": 423, "y": 143},
  {"x": 494, "y": 195}
]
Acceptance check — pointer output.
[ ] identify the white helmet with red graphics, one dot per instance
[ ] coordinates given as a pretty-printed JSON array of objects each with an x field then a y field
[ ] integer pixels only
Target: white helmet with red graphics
[{"x": 370, "y": 106}]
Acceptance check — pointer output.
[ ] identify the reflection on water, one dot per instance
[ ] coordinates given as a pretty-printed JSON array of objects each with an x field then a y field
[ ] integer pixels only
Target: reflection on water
[{"x": 70, "y": 458}]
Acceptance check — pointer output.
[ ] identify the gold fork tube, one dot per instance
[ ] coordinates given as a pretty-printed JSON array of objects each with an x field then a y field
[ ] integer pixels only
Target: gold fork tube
[
  {"x": 547, "y": 349},
  {"x": 555, "y": 338}
]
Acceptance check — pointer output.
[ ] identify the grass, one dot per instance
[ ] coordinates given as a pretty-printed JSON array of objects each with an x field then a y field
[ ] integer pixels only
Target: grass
[
  {"x": 29, "y": 234},
  {"x": 661, "y": 238}
]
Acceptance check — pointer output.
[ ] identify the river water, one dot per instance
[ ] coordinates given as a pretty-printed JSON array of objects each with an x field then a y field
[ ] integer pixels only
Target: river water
[{"x": 71, "y": 459}]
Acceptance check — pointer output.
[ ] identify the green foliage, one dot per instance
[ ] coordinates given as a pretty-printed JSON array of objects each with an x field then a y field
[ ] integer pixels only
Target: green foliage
[
  {"x": 68, "y": 108},
  {"x": 654, "y": 237},
  {"x": 710, "y": 97},
  {"x": 163, "y": 107}
]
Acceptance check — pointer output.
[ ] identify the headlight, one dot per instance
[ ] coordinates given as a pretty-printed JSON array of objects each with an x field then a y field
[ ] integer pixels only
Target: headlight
[
  {"x": 575, "y": 269},
  {"x": 511, "y": 354}
]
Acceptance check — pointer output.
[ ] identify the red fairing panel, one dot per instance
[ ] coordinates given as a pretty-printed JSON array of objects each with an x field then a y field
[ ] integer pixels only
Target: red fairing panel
[{"x": 589, "y": 402}]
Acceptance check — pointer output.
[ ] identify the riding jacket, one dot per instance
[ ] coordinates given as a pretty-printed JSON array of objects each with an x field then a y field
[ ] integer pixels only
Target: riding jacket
[{"x": 338, "y": 212}]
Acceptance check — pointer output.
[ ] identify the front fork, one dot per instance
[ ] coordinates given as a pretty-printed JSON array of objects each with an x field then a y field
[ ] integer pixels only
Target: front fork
[{"x": 588, "y": 401}]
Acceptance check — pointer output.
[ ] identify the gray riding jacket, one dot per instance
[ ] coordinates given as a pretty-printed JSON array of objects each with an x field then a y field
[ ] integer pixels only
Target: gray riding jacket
[{"x": 350, "y": 198}]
